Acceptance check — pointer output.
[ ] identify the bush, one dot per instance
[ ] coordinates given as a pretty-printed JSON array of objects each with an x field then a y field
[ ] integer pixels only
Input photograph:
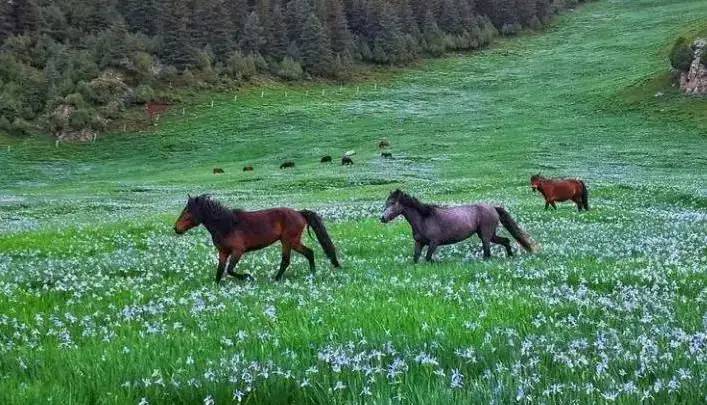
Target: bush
[
  {"x": 290, "y": 69},
  {"x": 22, "y": 127},
  {"x": 144, "y": 94},
  {"x": 75, "y": 99},
  {"x": 241, "y": 67},
  {"x": 5, "y": 125},
  {"x": 681, "y": 55}
]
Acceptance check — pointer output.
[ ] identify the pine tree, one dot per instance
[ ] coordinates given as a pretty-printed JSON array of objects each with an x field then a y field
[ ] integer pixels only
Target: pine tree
[
  {"x": 253, "y": 36},
  {"x": 298, "y": 12},
  {"x": 141, "y": 15},
  {"x": 525, "y": 9},
  {"x": 408, "y": 20},
  {"x": 314, "y": 47},
  {"x": 389, "y": 46},
  {"x": 277, "y": 36},
  {"x": 434, "y": 38},
  {"x": 211, "y": 27},
  {"x": 114, "y": 47},
  {"x": 26, "y": 16},
  {"x": 450, "y": 17},
  {"x": 176, "y": 47},
  {"x": 221, "y": 33},
  {"x": 7, "y": 20},
  {"x": 237, "y": 10},
  {"x": 341, "y": 39}
]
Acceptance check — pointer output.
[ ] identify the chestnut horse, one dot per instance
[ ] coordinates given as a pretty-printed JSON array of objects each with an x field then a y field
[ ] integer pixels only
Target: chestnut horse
[
  {"x": 561, "y": 190},
  {"x": 235, "y": 232}
]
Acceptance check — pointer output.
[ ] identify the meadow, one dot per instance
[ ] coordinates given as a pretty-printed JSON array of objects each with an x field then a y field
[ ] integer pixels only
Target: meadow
[{"x": 102, "y": 303}]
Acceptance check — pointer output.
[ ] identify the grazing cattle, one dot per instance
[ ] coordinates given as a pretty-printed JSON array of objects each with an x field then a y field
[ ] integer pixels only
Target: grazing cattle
[
  {"x": 346, "y": 161},
  {"x": 326, "y": 159},
  {"x": 383, "y": 144},
  {"x": 387, "y": 155},
  {"x": 559, "y": 190},
  {"x": 287, "y": 165},
  {"x": 248, "y": 168},
  {"x": 218, "y": 170},
  {"x": 433, "y": 226},
  {"x": 235, "y": 232}
]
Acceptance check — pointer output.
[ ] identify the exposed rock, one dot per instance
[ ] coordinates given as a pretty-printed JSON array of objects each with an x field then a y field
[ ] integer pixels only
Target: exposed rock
[
  {"x": 82, "y": 136},
  {"x": 694, "y": 81}
]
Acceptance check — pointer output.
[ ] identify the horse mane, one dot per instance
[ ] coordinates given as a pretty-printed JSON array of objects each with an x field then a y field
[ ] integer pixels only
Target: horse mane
[
  {"x": 216, "y": 215},
  {"x": 409, "y": 201}
]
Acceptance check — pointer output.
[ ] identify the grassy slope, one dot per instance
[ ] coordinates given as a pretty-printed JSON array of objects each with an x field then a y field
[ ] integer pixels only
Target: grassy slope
[{"x": 86, "y": 232}]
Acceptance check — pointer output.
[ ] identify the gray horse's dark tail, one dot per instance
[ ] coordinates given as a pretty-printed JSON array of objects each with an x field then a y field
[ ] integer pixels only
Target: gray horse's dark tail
[
  {"x": 515, "y": 230},
  {"x": 585, "y": 195},
  {"x": 315, "y": 222}
]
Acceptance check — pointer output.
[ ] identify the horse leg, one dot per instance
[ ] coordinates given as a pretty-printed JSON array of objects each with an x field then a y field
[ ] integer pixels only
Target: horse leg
[
  {"x": 232, "y": 262},
  {"x": 418, "y": 251},
  {"x": 486, "y": 246},
  {"x": 430, "y": 251},
  {"x": 500, "y": 240},
  {"x": 306, "y": 252},
  {"x": 285, "y": 262},
  {"x": 547, "y": 205},
  {"x": 222, "y": 258},
  {"x": 578, "y": 201},
  {"x": 553, "y": 204}
]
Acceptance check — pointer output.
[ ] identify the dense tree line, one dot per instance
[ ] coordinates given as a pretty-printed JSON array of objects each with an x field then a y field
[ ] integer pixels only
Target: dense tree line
[{"x": 73, "y": 64}]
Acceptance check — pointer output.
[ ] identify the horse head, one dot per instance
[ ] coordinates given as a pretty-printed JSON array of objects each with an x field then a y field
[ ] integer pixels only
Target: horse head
[
  {"x": 393, "y": 207},
  {"x": 536, "y": 182},
  {"x": 189, "y": 218}
]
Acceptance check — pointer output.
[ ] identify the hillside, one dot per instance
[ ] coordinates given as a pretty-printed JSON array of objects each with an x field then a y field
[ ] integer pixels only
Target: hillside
[
  {"x": 102, "y": 302},
  {"x": 69, "y": 66}
]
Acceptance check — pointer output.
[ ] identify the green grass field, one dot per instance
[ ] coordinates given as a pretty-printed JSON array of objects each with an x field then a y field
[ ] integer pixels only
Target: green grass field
[{"x": 102, "y": 303}]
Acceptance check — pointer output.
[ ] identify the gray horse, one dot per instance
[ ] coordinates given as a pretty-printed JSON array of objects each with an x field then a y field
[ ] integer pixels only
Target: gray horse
[{"x": 433, "y": 225}]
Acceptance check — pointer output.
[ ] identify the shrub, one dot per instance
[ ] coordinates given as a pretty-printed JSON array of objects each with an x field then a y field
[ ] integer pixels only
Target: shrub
[
  {"x": 290, "y": 69},
  {"x": 144, "y": 94},
  {"x": 240, "y": 66},
  {"x": 681, "y": 55},
  {"x": 22, "y": 127}
]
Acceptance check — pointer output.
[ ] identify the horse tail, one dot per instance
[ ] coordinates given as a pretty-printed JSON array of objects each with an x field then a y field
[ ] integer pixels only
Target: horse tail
[
  {"x": 585, "y": 195},
  {"x": 315, "y": 222},
  {"x": 515, "y": 230}
]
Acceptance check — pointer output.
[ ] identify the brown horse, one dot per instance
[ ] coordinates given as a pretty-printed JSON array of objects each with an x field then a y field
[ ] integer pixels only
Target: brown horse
[
  {"x": 346, "y": 161},
  {"x": 247, "y": 168},
  {"x": 561, "y": 190},
  {"x": 235, "y": 232},
  {"x": 218, "y": 170}
]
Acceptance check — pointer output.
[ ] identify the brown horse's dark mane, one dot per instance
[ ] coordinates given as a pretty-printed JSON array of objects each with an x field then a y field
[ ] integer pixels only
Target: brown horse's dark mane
[
  {"x": 409, "y": 201},
  {"x": 214, "y": 215}
]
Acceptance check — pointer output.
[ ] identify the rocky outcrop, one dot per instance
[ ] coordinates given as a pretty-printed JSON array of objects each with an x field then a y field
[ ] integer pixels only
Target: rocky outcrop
[{"x": 694, "y": 81}]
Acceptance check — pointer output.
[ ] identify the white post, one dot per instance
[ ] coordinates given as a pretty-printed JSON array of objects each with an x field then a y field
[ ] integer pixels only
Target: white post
[
  {"x": 235, "y": 97},
  {"x": 212, "y": 103},
  {"x": 262, "y": 93},
  {"x": 184, "y": 111},
  {"x": 358, "y": 88}
]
